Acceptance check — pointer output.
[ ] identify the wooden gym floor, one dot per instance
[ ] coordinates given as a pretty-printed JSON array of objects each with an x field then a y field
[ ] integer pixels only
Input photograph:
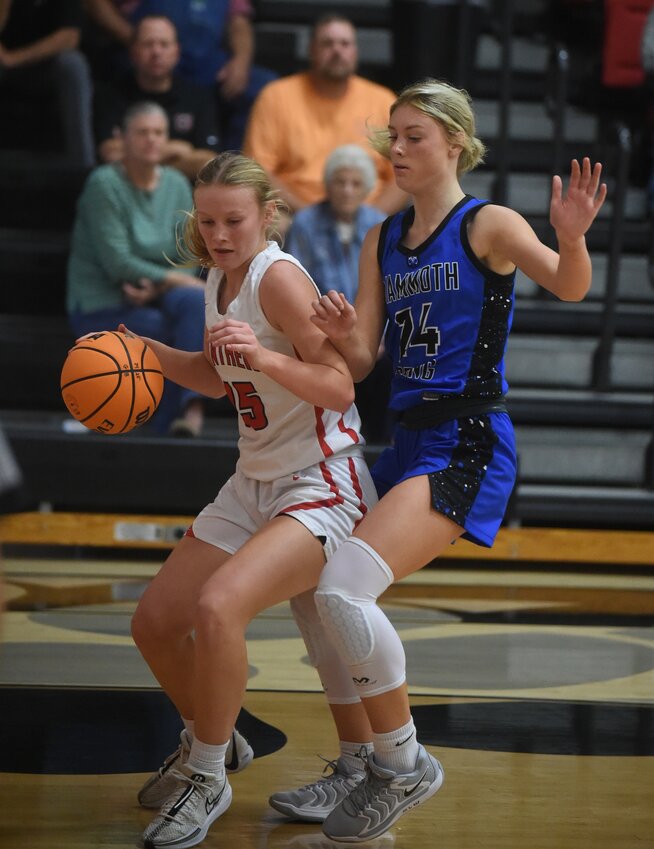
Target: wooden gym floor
[{"x": 532, "y": 681}]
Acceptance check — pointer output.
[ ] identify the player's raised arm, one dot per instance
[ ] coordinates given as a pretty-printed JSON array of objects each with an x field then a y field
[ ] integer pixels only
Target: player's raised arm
[{"x": 505, "y": 240}]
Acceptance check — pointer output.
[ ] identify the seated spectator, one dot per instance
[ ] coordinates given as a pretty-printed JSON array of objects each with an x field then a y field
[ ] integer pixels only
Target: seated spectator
[
  {"x": 154, "y": 53},
  {"x": 298, "y": 120},
  {"x": 647, "y": 60},
  {"x": 107, "y": 34},
  {"x": 326, "y": 237},
  {"x": 39, "y": 59},
  {"x": 123, "y": 242},
  {"x": 217, "y": 50}
]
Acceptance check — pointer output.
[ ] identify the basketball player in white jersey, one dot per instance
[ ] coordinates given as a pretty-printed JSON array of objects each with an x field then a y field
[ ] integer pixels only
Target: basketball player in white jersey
[{"x": 300, "y": 487}]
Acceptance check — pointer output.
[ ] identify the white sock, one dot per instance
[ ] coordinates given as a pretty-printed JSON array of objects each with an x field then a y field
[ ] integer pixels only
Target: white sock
[
  {"x": 205, "y": 757},
  {"x": 189, "y": 725},
  {"x": 351, "y": 753},
  {"x": 397, "y": 750}
]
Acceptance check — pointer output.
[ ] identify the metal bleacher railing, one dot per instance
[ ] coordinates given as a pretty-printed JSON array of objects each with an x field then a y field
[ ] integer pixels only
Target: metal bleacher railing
[
  {"x": 500, "y": 189},
  {"x": 602, "y": 362}
]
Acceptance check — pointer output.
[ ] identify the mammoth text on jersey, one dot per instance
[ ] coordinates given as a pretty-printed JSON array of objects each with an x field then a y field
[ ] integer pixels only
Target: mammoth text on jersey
[{"x": 436, "y": 277}]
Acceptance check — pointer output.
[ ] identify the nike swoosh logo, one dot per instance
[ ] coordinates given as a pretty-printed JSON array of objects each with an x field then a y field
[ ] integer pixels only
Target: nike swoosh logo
[
  {"x": 415, "y": 786},
  {"x": 233, "y": 761},
  {"x": 406, "y": 740},
  {"x": 210, "y": 804}
]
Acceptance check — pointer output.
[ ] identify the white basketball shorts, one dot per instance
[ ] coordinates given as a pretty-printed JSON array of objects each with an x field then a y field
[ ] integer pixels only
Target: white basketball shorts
[{"x": 329, "y": 499}]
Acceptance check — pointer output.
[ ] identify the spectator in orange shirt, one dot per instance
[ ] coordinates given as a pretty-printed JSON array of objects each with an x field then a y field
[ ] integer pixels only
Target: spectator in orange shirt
[{"x": 298, "y": 120}]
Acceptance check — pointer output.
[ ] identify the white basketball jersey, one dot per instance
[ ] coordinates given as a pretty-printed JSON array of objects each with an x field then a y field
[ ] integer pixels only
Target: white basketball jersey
[{"x": 278, "y": 432}]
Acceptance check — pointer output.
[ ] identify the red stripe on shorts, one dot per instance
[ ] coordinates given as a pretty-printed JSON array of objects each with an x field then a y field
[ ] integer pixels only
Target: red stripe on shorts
[
  {"x": 326, "y": 502},
  {"x": 356, "y": 483}
]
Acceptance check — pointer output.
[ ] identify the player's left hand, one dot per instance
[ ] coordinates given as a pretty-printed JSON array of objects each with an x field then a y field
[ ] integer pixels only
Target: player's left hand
[
  {"x": 237, "y": 336},
  {"x": 572, "y": 214},
  {"x": 121, "y": 329},
  {"x": 140, "y": 293},
  {"x": 334, "y": 315}
]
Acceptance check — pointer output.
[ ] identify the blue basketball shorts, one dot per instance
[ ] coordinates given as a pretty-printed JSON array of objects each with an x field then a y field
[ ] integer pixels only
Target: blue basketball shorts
[{"x": 471, "y": 464}]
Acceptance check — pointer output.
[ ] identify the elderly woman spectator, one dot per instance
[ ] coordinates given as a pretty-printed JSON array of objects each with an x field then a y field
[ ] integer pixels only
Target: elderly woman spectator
[
  {"x": 326, "y": 237},
  {"x": 120, "y": 267}
]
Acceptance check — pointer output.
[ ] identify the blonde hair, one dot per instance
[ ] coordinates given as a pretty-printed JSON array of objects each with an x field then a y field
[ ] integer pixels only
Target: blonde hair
[
  {"x": 451, "y": 107},
  {"x": 228, "y": 169}
]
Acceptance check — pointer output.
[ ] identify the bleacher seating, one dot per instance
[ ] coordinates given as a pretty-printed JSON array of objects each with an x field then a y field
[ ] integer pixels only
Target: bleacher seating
[{"x": 585, "y": 450}]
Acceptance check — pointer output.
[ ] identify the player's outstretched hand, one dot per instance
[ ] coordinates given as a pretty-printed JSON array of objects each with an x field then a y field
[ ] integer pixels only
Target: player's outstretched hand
[
  {"x": 334, "y": 315},
  {"x": 572, "y": 214}
]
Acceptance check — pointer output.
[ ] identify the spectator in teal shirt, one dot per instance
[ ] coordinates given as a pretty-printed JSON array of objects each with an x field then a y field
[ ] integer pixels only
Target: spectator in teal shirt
[{"x": 120, "y": 268}]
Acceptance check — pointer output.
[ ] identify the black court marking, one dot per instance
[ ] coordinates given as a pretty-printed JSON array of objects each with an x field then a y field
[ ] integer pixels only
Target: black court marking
[
  {"x": 539, "y": 727},
  {"x": 93, "y": 732}
]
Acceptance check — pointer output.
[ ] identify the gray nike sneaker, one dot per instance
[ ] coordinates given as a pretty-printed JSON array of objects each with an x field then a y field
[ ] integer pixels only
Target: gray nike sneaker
[
  {"x": 381, "y": 799},
  {"x": 319, "y": 841},
  {"x": 165, "y": 781},
  {"x": 313, "y": 802}
]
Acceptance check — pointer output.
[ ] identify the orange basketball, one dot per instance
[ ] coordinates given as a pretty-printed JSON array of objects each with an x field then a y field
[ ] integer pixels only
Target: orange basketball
[{"x": 111, "y": 382}]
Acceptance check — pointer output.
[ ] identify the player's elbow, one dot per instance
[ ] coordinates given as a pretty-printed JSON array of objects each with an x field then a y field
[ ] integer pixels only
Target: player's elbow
[
  {"x": 346, "y": 402},
  {"x": 575, "y": 294},
  {"x": 342, "y": 397}
]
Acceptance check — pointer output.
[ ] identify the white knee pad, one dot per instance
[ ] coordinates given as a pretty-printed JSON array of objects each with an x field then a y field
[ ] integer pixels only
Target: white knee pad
[
  {"x": 334, "y": 674},
  {"x": 346, "y": 599}
]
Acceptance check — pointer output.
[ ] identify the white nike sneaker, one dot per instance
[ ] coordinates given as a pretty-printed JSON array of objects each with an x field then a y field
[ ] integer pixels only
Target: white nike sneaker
[
  {"x": 187, "y": 814},
  {"x": 159, "y": 786}
]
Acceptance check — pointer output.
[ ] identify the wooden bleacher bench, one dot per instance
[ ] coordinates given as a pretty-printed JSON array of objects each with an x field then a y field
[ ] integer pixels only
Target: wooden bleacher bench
[{"x": 559, "y": 545}]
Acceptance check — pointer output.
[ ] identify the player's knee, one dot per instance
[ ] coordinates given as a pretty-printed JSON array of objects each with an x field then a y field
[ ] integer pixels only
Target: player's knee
[
  {"x": 355, "y": 571},
  {"x": 351, "y": 582},
  {"x": 217, "y": 614},
  {"x": 311, "y": 628},
  {"x": 149, "y": 624},
  {"x": 346, "y": 622}
]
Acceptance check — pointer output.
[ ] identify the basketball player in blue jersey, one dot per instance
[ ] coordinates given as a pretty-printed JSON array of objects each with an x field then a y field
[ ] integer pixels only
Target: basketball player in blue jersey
[
  {"x": 300, "y": 487},
  {"x": 439, "y": 277}
]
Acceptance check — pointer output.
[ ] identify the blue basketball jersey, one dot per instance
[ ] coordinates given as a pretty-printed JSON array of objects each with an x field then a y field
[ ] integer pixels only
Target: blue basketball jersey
[{"x": 448, "y": 315}]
